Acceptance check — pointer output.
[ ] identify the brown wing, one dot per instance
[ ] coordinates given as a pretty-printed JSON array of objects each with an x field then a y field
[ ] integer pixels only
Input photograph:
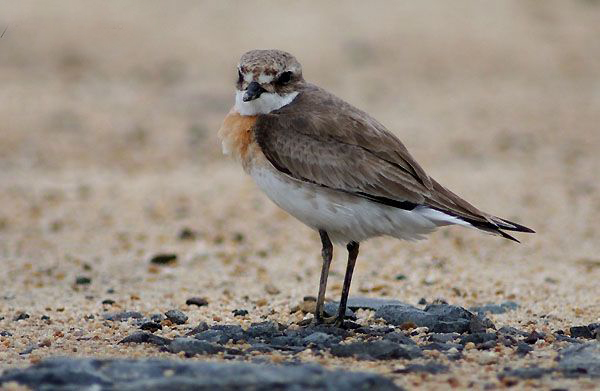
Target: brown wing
[{"x": 323, "y": 140}]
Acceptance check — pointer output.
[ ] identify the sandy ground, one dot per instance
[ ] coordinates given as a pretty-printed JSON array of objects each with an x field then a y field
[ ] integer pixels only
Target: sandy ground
[{"x": 108, "y": 149}]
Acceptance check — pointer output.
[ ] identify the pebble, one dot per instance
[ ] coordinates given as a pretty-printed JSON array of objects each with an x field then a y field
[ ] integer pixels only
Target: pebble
[
  {"x": 21, "y": 316},
  {"x": 108, "y": 301},
  {"x": 81, "y": 280},
  {"x": 525, "y": 373},
  {"x": 176, "y": 316},
  {"x": 199, "y": 301},
  {"x": 192, "y": 346},
  {"x": 62, "y": 374},
  {"x": 239, "y": 312},
  {"x": 187, "y": 234},
  {"x": 378, "y": 350},
  {"x": 151, "y": 326},
  {"x": 143, "y": 337},
  {"x": 580, "y": 360},
  {"x": 123, "y": 316},
  {"x": 164, "y": 259}
]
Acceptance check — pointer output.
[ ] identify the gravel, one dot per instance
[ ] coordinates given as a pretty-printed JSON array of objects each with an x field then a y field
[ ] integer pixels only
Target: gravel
[
  {"x": 62, "y": 374},
  {"x": 176, "y": 316}
]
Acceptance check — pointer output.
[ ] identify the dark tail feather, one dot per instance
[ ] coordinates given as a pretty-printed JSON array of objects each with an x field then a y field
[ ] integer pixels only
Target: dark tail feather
[{"x": 497, "y": 226}]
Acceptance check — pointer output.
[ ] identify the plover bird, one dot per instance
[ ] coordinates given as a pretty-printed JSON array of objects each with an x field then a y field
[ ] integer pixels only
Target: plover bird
[{"x": 334, "y": 167}]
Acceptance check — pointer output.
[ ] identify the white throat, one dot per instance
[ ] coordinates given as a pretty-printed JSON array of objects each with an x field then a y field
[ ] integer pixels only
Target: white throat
[{"x": 265, "y": 103}]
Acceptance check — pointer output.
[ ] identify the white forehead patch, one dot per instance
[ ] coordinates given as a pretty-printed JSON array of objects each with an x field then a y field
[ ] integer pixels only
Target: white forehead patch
[
  {"x": 262, "y": 78},
  {"x": 265, "y": 103}
]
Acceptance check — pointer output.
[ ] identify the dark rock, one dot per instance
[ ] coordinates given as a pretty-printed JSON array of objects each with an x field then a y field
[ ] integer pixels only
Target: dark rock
[
  {"x": 199, "y": 301},
  {"x": 81, "y": 280},
  {"x": 239, "y": 312},
  {"x": 265, "y": 330},
  {"x": 108, "y": 301},
  {"x": 164, "y": 259},
  {"x": 422, "y": 301},
  {"x": 523, "y": 349},
  {"x": 495, "y": 308},
  {"x": 525, "y": 373},
  {"x": 187, "y": 234},
  {"x": 533, "y": 337},
  {"x": 176, "y": 316},
  {"x": 192, "y": 346},
  {"x": 143, "y": 337},
  {"x": 21, "y": 316},
  {"x": 123, "y": 316},
  {"x": 320, "y": 339},
  {"x": 233, "y": 332},
  {"x": 45, "y": 317},
  {"x": 478, "y": 338},
  {"x": 581, "y": 332},
  {"x": 580, "y": 360},
  {"x": 430, "y": 367},
  {"x": 214, "y": 336},
  {"x": 399, "y": 338},
  {"x": 378, "y": 350},
  {"x": 62, "y": 374},
  {"x": 513, "y": 332},
  {"x": 198, "y": 329},
  {"x": 157, "y": 318},
  {"x": 5, "y": 333},
  {"x": 331, "y": 308},
  {"x": 439, "y": 318},
  {"x": 566, "y": 338},
  {"x": 151, "y": 326}
]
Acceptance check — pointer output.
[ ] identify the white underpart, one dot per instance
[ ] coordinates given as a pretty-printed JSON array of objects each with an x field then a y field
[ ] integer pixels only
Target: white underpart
[
  {"x": 346, "y": 217},
  {"x": 265, "y": 103}
]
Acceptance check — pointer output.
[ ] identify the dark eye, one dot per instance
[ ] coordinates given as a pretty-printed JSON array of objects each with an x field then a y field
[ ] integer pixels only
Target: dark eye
[
  {"x": 240, "y": 76},
  {"x": 285, "y": 77}
]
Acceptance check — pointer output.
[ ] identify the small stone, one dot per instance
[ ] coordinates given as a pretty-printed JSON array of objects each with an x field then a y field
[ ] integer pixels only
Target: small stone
[
  {"x": 239, "y": 312},
  {"x": 192, "y": 346},
  {"x": 21, "y": 316},
  {"x": 5, "y": 333},
  {"x": 331, "y": 308},
  {"x": 495, "y": 308},
  {"x": 199, "y": 301},
  {"x": 422, "y": 301},
  {"x": 533, "y": 337},
  {"x": 45, "y": 317},
  {"x": 81, "y": 280},
  {"x": 29, "y": 349},
  {"x": 187, "y": 234},
  {"x": 157, "y": 318},
  {"x": 143, "y": 337},
  {"x": 164, "y": 259},
  {"x": 123, "y": 316},
  {"x": 581, "y": 332},
  {"x": 151, "y": 326},
  {"x": 580, "y": 360},
  {"x": 108, "y": 301},
  {"x": 198, "y": 329},
  {"x": 523, "y": 349},
  {"x": 469, "y": 346},
  {"x": 263, "y": 330},
  {"x": 176, "y": 316}
]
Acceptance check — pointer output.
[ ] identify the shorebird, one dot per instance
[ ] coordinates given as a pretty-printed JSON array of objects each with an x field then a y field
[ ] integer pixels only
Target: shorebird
[{"x": 334, "y": 167}]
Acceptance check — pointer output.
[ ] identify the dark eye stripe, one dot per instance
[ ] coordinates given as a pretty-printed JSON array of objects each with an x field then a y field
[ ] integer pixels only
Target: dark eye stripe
[{"x": 240, "y": 76}]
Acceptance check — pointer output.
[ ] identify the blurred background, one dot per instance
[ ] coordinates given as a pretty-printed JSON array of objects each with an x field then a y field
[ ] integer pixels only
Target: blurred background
[{"x": 108, "y": 150}]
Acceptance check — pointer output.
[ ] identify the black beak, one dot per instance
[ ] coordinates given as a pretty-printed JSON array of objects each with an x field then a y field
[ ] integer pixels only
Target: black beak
[{"x": 253, "y": 91}]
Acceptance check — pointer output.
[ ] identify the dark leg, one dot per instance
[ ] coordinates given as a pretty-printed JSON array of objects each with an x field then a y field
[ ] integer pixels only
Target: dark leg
[
  {"x": 327, "y": 253},
  {"x": 352, "y": 255}
]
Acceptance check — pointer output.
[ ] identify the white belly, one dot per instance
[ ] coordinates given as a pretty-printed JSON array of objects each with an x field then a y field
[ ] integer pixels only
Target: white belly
[{"x": 345, "y": 217}]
